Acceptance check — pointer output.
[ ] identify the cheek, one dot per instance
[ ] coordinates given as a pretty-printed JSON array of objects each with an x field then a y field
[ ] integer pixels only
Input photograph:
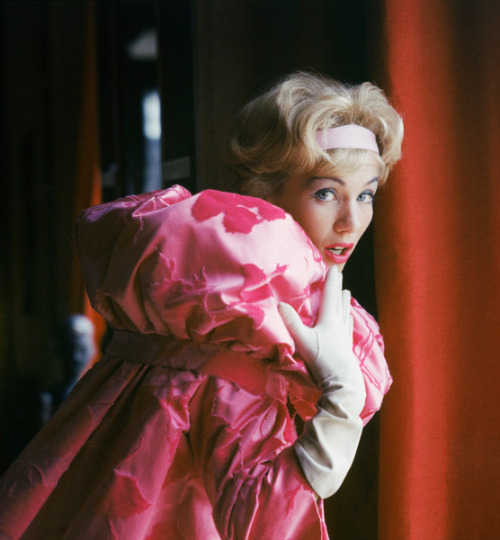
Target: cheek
[
  {"x": 315, "y": 225},
  {"x": 366, "y": 220},
  {"x": 301, "y": 214}
]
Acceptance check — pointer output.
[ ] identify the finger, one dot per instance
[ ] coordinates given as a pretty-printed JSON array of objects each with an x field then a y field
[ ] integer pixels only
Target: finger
[
  {"x": 346, "y": 305},
  {"x": 292, "y": 322},
  {"x": 331, "y": 297},
  {"x": 351, "y": 329}
]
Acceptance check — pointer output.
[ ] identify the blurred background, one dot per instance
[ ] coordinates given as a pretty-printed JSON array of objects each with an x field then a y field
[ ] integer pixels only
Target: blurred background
[{"x": 103, "y": 99}]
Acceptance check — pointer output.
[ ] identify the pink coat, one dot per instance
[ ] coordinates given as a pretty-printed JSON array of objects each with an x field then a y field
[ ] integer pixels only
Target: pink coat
[{"x": 183, "y": 430}]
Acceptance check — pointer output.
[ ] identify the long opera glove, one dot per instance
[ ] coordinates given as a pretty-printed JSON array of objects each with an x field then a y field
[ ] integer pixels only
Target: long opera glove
[{"x": 327, "y": 447}]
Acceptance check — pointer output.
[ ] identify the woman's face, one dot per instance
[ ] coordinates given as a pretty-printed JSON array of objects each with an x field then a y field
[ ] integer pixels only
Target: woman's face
[{"x": 333, "y": 211}]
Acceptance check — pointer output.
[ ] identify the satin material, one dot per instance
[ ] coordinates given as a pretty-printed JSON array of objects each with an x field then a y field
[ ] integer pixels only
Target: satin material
[{"x": 184, "y": 428}]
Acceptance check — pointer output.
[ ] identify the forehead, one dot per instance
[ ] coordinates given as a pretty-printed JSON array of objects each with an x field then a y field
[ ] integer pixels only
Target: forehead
[{"x": 347, "y": 161}]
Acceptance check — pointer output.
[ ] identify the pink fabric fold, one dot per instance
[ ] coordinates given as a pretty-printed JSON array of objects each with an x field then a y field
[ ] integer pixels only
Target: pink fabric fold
[{"x": 183, "y": 429}]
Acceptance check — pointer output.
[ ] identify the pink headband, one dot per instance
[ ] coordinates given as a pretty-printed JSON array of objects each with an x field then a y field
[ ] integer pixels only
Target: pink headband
[{"x": 350, "y": 136}]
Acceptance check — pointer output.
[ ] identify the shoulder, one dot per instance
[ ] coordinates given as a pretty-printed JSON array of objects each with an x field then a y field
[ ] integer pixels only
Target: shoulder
[{"x": 210, "y": 267}]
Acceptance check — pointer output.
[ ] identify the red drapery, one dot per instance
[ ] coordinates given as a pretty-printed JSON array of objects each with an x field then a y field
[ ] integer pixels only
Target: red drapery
[{"x": 438, "y": 275}]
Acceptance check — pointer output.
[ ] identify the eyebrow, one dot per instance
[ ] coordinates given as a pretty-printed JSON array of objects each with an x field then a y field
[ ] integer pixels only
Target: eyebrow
[{"x": 338, "y": 180}]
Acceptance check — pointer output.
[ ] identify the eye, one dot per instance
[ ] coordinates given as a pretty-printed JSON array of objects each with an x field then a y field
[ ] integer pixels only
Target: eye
[
  {"x": 367, "y": 196},
  {"x": 326, "y": 194}
]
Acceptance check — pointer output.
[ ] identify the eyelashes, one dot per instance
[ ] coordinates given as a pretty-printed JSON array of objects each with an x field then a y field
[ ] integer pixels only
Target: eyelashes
[
  {"x": 326, "y": 194},
  {"x": 329, "y": 194},
  {"x": 370, "y": 194}
]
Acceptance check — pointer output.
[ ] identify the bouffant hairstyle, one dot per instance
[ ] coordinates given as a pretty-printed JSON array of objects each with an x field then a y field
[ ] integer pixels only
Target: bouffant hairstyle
[{"x": 275, "y": 134}]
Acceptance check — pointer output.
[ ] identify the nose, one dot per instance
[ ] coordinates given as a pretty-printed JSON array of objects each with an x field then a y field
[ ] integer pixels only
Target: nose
[{"x": 347, "y": 219}]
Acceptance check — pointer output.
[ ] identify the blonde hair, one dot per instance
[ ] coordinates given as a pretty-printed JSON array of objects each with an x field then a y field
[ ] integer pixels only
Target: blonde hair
[{"x": 275, "y": 136}]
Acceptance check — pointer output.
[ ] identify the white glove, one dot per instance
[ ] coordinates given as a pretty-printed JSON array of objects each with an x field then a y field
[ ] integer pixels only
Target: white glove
[{"x": 328, "y": 445}]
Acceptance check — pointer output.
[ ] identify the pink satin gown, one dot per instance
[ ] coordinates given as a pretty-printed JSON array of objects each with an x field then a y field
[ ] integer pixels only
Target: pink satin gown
[{"x": 184, "y": 429}]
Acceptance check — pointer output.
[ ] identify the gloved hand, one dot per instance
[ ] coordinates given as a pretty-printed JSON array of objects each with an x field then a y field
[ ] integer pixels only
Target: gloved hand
[
  {"x": 328, "y": 445},
  {"x": 327, "y": 347}
]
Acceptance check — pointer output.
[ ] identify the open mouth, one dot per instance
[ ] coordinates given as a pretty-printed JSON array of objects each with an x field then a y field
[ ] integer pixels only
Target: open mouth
[
  {"x": 337, "y": 250},
  {"x": 339, "y": 253}
]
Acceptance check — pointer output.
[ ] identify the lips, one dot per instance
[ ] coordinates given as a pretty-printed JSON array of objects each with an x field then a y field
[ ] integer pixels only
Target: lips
[{"x": 339, "y": 253}]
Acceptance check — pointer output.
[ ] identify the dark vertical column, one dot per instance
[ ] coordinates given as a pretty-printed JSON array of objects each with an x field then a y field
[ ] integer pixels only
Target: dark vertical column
[
  {"x": 127, "y": 62},
  {"x": 175, "y": 68}
]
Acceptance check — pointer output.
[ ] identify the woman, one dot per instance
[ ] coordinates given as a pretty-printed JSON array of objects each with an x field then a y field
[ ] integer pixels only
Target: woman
[{"x": 186, "y": 428}]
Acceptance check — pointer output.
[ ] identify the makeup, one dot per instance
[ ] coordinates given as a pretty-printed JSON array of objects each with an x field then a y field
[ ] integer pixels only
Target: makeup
[{"x": 339, "y": 253}]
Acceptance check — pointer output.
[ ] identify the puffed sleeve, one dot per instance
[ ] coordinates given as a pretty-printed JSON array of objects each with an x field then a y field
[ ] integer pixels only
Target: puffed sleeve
[{"x": 242, "y": 447}]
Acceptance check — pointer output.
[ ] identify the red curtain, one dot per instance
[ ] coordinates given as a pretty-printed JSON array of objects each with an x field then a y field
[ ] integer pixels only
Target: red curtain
[{"x": 438, "y": 275}]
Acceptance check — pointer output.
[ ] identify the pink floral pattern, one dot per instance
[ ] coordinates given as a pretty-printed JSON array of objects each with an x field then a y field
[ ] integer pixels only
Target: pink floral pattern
[
  {"x": 182, "y": 430},
  {"x": 237, "y": 217}
]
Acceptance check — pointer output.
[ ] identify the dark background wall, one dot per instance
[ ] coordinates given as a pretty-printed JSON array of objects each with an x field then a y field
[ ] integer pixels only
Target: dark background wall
[{"x": 206, "y": 59}]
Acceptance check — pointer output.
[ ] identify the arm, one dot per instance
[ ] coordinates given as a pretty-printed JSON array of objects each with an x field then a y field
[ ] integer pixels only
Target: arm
[{"x": 328, "y": 445}]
